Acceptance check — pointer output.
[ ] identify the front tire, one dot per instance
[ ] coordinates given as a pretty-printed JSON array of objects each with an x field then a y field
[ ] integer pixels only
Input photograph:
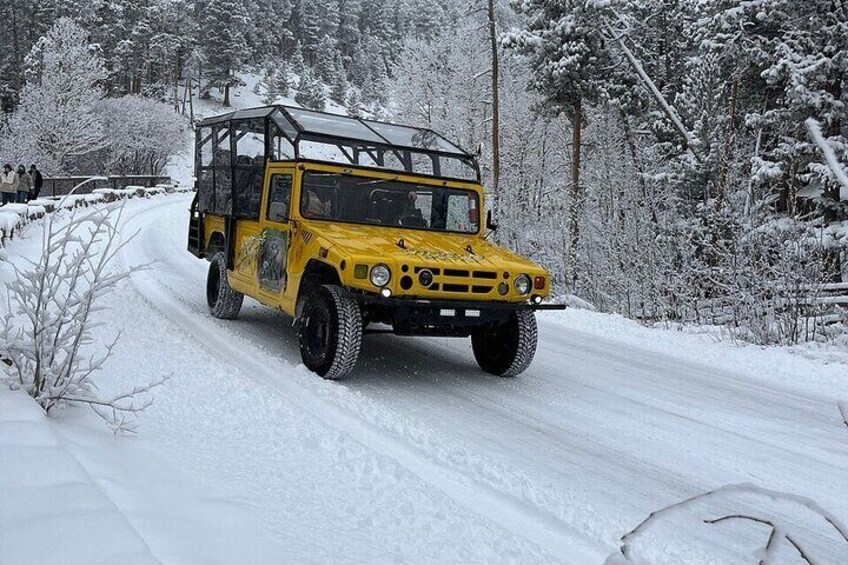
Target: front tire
[
  {"x": 224, "y": 302},
  {"x": 330, "y": 332},
  {"x": 507, "y": 349}
]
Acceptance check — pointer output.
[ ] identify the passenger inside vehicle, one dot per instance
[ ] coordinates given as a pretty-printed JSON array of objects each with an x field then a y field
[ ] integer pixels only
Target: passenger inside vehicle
[{"x": 316, "y": 203}]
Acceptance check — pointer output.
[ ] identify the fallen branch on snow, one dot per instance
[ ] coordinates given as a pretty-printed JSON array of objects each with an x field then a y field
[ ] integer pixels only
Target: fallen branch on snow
[{"x": 778, "y": 532}]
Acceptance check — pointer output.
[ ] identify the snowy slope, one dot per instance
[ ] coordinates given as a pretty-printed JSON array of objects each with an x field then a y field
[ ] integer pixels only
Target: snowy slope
[{"x": 421, "y": 458}]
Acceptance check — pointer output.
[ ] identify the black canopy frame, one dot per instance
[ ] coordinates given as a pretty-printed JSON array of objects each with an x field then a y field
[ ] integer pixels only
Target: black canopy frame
[
  {"x": 294, "y": 124},
  {"x": 233, "y": 181}
]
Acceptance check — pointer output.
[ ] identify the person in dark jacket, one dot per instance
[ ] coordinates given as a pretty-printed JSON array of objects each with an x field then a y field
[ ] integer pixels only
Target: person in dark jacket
[
  {"x": 24, "y": 185},
  {"x": 37, "y": 182}
]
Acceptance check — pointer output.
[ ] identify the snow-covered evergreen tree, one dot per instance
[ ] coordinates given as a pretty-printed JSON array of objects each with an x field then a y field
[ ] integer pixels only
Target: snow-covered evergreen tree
[
  {"x": 353, "y": 103},
  {"x": 350, "y": 12},
  {"x": 374, "y": 90},
  {"x": 297, "y": 62},
  {"x": 224, "y": 26},
  {"x": 325, "y": 60},
  {"x": 310, "y": 92},
  {"x": 319, "y": 20},
  {"x": 339, "y": 85},
  {"x": 57, "y": 118},
  {"x": 569, "y": 60},
  {"x": 274, "y": 84}
]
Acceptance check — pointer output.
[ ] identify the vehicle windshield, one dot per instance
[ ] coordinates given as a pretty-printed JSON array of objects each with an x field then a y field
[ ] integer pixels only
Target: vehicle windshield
[{"x": 388, "y": 202}]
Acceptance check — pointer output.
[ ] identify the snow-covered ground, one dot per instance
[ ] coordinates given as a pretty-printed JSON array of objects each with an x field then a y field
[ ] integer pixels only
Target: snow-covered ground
[{"x": 420, "y": 457}]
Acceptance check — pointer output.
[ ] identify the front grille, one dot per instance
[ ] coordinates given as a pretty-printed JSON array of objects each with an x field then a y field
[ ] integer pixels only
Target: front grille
[
  {"x": 485, "y": 275},
  {"x": 455, "y": 273},
  {"x": 476, "y": 282}
]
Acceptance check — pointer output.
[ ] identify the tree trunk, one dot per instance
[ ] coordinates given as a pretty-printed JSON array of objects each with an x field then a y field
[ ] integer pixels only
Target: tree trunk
[
  {"x": 496, "y": 150},
  {"x": 728, "y": 145},
  {"x": 190, "y": 86},
  {"x": 176, "y": 77},
  {"x": 16, "y": 55},
  {"x": 576, "y": 191},
  {"x": 226, "y": 95}
]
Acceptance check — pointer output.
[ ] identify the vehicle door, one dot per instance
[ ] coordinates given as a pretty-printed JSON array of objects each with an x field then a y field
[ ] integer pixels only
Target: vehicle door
[{"x": 275, "y": 247}]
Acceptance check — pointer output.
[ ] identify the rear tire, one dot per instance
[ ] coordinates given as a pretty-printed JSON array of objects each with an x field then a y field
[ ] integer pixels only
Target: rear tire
[
  {"x": 329, "y": 332},
  {"x": 224, "y": 302},
  {"x": 507, "y": 349}
]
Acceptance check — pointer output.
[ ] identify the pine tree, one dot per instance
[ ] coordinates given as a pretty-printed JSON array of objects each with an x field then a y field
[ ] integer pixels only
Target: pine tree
[
  {"x": 283, "y": 82},
  {"x": 339, "y": 86},
  {"x": 569, "y": 60},
  {"x": 224, "y": 27},
  {"x": 320, "y": 20},
  {"x": 268, "y": 32},
  {"x": 274, "y": 84},
  {"x": 348, "y": 35},
  {"x": 354, "y": 104},
  {"x": 325, "y": 60},
  {"x": 297, "y": 63},
  {"x": 359, "y": 64},
  {"x": 270, "y": 86},
  {"x": 310, "y": 92},
  {"x": 376, "y": 86}
]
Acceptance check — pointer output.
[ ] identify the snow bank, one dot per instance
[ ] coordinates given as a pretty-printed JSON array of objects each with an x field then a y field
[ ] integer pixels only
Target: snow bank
[
  {"x": 15, "y": 216},
  {"x": 50, "y": 509},
  {"x": 70, "y": 493},
  {"x": 822, "y": 365}
]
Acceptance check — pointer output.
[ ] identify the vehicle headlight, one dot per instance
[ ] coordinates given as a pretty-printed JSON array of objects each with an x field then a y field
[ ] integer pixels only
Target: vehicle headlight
[
  {"x": 380, "y": 275},
  {"x": 522, "y": 284}
]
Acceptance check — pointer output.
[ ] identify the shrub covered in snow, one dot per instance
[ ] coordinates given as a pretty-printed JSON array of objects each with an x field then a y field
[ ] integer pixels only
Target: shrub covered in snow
[
  {"x": 142, "y": 134},
  {"x": 47, "y": 333}
]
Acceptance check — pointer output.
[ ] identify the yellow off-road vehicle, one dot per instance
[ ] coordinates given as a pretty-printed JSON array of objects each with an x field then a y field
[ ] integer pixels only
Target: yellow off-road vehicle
[{"x": 354, "y": 226}]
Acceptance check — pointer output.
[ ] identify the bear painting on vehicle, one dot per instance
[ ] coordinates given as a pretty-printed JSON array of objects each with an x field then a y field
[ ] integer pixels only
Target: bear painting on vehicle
[
  {"x": 272, "y": 263},
  {"x": 368, "y": 224}
]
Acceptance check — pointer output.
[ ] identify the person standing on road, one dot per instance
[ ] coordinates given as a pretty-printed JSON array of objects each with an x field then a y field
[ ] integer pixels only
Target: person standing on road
[
  {"x": 37, "y": 182},
  {"x": 24, "y": 185},
  {"x": 9, "y": 184}
]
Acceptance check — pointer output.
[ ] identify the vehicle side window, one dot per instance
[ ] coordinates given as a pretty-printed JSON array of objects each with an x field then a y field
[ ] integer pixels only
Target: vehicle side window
[
  {"x": 279, "y": 198},
  {"x": 462, "y": 212}
]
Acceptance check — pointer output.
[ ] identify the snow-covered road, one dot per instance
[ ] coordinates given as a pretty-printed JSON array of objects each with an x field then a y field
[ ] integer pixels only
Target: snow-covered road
[{"x": 420, "y": 457}]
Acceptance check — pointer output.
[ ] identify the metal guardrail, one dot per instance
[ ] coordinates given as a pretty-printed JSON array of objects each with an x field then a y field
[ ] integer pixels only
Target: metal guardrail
[{"x": 58, "y": 186}]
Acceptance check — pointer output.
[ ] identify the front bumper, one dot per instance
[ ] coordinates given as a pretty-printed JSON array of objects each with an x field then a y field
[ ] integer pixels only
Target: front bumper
[{"x": 416, "y": 316}]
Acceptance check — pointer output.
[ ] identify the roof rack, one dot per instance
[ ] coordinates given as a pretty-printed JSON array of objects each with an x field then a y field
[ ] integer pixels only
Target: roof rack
[{"x": 299, "y": 133}]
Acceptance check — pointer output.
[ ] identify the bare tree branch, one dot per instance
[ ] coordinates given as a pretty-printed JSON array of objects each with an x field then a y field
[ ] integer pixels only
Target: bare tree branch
[
  {"x": 778, "y": 533},
  {"x": 53, "y": 310}
]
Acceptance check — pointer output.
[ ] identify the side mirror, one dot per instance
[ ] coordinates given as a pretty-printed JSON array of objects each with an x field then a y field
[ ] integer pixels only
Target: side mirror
[
  {"x": 278, "y": 212},
  {"x": 490, "y": 224}
]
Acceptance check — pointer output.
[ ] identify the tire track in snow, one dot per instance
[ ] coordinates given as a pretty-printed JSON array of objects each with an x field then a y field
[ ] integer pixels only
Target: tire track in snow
[
  {"x": 596, "y": 437},
  {"x": 509, "y": 512}
]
